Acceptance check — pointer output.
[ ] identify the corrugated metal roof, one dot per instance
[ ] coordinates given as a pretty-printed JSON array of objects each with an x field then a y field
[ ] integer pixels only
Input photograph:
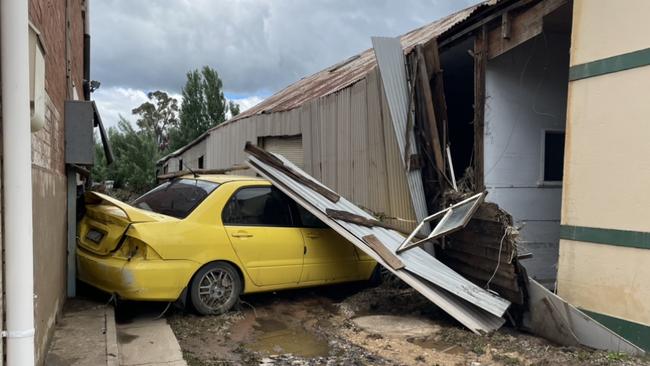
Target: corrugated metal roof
[
  {"x": 474, "y": 307},
  {"x": 353, "y": 69}
]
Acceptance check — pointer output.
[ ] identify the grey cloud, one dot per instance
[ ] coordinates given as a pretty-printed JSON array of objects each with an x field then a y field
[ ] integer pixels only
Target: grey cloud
[{"x": 258, "y": 46}]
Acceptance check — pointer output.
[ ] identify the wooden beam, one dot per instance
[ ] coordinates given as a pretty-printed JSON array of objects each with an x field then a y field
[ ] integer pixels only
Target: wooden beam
[
  {"x": 201, "y": 171},
  {"x": 378, "y": 247},
  {"x": 439, "y": 100},
  {"x": 431, "y": 114},
  {"x": 480, "y": 60},
  {"x": 447, "y": 42},
  {"x": 517, "y": 28},
  {"x": 278, "y": 164},
  {"x": 362, "y": 221},
  {"x": 505, "y": 25}
]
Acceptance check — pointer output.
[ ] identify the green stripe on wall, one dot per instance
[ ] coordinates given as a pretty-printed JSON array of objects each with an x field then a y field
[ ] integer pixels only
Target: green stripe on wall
[
  {"x": 612, "y": 64},
  {"x": 632, "y": 239},
  {"x": 636, "y": 333}
]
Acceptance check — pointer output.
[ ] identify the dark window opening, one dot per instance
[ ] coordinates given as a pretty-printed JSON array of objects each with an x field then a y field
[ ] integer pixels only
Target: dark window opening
[
  {"x": 200, "y": 162},
  {"x": 180, "y": 164},
  {"x": 553, "y": 156},
  {"x": 458, "y": 78},
  {"x": 258, "y": 206},
  {"x": 177, "y": 198},
  {"x": 165, "y": 169}
]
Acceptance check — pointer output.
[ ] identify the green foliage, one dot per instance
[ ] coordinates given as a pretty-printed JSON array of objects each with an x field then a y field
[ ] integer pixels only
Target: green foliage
[
  {"x": 162, "y": 127},
  {"x": 204, "y": 106},
  {"x": 159, "y": 115},
  {"x": 234, "y": 108},
  {"x": 136, "y": 153}
]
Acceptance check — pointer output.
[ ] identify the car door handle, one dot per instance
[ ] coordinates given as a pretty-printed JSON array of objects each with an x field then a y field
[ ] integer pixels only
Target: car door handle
[
  {"x": 241, "y": 235},
  {"x": 312, "y": 236}
]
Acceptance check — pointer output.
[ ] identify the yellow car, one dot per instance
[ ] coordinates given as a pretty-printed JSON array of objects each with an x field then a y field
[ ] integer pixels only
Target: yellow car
[{"x": 208, "y": 239}]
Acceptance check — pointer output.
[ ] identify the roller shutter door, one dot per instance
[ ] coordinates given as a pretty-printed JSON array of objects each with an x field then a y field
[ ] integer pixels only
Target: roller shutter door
[{"x": 288, "y": 146}]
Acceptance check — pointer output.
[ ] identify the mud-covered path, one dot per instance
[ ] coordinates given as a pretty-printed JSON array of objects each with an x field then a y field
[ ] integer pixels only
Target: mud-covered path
[{"x": 347, "y": 325}]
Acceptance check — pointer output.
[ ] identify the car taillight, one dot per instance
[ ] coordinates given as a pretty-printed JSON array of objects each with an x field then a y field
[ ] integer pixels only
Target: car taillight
[{"x": 134, "y": 249}]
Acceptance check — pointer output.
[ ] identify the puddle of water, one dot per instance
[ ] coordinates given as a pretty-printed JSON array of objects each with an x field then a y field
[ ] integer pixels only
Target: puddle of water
[
  {"x": 440, "y": 346},
  {"x": 277, "y": 337}
]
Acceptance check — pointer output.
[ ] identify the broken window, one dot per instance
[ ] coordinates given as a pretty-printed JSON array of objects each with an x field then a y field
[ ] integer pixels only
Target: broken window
[
  {"x": 553, "y": 155},
  {"x": 449, "y": 220}
]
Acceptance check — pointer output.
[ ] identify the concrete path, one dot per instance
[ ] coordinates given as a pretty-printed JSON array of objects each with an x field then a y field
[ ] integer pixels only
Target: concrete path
[
  {"x": 84, "y": 336},
  {"x": 148, "y": 342}
]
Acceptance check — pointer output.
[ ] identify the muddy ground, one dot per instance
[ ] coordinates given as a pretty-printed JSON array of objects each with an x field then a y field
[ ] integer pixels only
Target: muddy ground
[{"x": 318, "y": 326}]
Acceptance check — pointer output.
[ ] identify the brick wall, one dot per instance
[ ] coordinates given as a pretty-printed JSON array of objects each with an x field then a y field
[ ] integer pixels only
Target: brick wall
[{"x": 48, "y": 160}]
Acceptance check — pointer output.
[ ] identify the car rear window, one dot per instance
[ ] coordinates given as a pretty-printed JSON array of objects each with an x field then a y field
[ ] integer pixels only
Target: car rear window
[{"x": 177, "y": 198}]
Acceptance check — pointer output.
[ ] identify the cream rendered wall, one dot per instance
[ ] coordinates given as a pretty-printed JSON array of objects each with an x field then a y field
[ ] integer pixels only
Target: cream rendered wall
[
  {"x": 607, "y": 163},
  {"x": 605, "y": 28},
  {"x": 607, "y": 279}
]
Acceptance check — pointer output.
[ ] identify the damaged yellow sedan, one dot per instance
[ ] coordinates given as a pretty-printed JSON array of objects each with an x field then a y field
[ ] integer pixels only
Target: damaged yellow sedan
[{"x": 207, "y": 239}]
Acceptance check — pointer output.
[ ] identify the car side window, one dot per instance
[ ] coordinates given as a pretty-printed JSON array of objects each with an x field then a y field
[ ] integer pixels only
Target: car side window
[
  {"x": 258, "y": 206},
  {"x": 308, "y": 220}
]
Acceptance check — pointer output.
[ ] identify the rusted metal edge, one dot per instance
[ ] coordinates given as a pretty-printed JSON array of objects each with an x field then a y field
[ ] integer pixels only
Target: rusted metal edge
[{"x": 269, "y": 158}]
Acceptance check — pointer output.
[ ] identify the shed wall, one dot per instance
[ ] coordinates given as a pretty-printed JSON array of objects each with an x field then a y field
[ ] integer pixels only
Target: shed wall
[{"x": 348, "y": 143}]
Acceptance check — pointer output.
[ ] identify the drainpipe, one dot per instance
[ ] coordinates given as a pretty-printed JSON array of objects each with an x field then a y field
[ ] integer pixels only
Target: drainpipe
[{"x": 17, "y": 183}]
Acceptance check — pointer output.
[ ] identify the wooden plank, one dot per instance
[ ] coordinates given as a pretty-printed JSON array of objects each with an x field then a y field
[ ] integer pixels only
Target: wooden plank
[
  {"x": 363, "y": 221},
  {"x": 202, "y": 171},
  {"x": 479, "y": 107},
  {"x": 431, "y": 114},
  {"x": 388, "y": 257},
  {"x": 432, "y": 57},
  {"x": 516, "y": 29},
  {"x": 278, "y": 164}
]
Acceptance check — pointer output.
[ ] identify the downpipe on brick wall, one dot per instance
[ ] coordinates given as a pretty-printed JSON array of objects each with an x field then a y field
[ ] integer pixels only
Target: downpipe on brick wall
[{"x": 17, "y": 183}]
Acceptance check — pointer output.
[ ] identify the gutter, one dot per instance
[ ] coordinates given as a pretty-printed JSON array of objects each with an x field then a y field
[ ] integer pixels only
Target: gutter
[{"x": 17, "y": 183}]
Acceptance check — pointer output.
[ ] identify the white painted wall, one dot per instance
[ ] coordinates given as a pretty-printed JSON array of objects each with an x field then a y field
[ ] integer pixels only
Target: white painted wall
[{"x": 526, "y": 92}]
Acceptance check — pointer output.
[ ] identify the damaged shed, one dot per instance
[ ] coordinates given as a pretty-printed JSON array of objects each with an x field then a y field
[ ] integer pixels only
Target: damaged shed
[
  {"x": 485, "y": 110},
  {"x": 468, "y": 70}
]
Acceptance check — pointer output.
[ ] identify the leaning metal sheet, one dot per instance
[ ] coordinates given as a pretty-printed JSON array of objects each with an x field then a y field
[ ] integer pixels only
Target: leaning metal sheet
[{"x": 473, "y": 306}]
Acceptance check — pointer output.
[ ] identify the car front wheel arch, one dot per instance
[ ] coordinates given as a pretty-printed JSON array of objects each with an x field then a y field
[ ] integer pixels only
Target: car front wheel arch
[{"x": 215, "y": 287}]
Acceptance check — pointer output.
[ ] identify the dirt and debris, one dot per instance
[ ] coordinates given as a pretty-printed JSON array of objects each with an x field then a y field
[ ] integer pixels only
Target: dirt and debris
[{"x": 316, "y": 327}]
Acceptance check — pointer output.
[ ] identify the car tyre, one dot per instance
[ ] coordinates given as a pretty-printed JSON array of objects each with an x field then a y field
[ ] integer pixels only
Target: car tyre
[{"x": 215, "y": 288}]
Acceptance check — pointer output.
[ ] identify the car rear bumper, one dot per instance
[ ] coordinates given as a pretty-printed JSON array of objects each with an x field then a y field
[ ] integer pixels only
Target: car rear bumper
[{"x": 154, "y": 280}]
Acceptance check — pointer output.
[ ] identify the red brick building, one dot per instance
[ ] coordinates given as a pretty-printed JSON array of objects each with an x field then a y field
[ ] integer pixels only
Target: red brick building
[{"x": 56, "y": 34}]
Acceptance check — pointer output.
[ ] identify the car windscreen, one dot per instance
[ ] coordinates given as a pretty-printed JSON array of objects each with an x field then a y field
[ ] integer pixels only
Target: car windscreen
[{"x": 177, "y": 198}]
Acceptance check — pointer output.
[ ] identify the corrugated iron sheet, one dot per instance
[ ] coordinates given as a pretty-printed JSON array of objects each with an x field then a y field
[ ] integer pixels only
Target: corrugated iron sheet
[
  {"x": 392, "y": 67},
  {"x": 474, "y": 307}
]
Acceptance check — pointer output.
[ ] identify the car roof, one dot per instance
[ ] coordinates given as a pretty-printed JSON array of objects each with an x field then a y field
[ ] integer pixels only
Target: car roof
[{"x": 224, "y": 178}]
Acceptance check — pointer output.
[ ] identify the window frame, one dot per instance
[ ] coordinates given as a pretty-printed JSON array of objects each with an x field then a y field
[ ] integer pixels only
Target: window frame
[
  {"x": 542, "y": 158},
  {"x": 292, "y": 212}
]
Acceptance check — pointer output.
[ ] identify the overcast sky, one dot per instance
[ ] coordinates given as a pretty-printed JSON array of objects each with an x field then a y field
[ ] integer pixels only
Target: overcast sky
[{"x": 257, "y": 46}]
